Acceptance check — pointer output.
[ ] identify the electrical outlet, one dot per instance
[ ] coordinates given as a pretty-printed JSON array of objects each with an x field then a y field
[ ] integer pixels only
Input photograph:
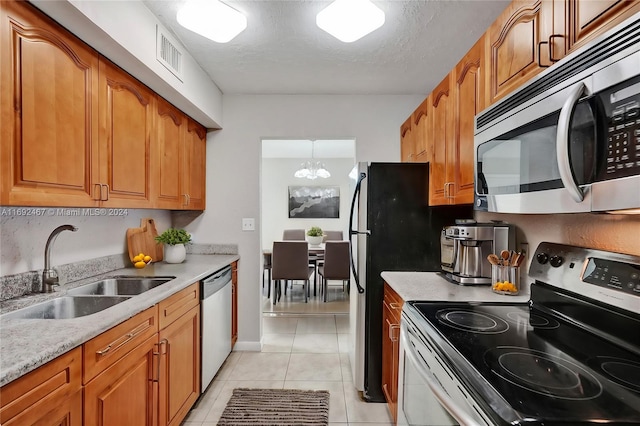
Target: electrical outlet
[
  {"x": 248, "y": 224},
  {"x": 524, "y": 249}
]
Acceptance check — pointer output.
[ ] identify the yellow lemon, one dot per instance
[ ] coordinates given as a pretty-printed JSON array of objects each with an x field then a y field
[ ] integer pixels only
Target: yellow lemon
[
  {"x": 147, "y": 259},
  {"x": 140, "y": 264},
  {"x": 141, "y": 254},
  {"x": 137, "y": 258}
]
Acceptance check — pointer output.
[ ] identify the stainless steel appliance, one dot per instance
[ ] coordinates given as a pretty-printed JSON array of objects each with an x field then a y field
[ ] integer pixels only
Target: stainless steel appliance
[
  {"x": 569, "y": 140},
  {"x": 571, "y": 355},
  {"x": 465, "y": 247},
  {"x": 392, "y": 228},
  {"x": 215, "y": 327}
]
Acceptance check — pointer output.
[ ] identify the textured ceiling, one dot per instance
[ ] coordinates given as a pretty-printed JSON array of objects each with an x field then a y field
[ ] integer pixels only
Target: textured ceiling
[{"x": 282, "y": 51}]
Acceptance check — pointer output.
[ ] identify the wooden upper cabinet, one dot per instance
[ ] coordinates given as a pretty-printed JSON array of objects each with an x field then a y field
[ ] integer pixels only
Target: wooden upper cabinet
[
  {"x": 195, "y": 159},
  {"x": 586, "y": 19},
  {"x": 513, "y": 43},
  {"x": 167, "y": 161},
  {"x": 442, "y": 142},
  {"x": 420, "y": 123},
  {"x": 49, "y": 112},
  {"x": 126, "y": 122},
  {"x": 469, "y": 101},
  {"x": 406, "y": 142}
]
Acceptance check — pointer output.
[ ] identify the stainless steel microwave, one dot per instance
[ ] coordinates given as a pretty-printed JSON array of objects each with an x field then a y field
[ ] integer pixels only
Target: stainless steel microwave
[{"x": 569, "y": 140}]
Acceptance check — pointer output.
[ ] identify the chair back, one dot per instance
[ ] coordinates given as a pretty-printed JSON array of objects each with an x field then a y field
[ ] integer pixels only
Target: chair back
[
  {"x": 293, "y": 234},
  {"x": 332, "y": 236},
  {"x": 290, "y": 260},
  {"x": 336, "y": 260}
]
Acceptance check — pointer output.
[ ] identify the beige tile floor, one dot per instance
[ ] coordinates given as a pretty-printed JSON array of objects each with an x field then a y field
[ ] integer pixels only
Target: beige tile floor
[
  {"x": 299, "y": 352},
  {"x": 293, "y": 303}
]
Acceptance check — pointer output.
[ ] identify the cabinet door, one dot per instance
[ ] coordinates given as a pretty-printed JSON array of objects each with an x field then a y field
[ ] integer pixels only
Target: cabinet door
[
  {"x": 513, "y": 43},
  {"x": 442, "y": 142},
  {"x": 126, "y": 393},
  {"x": 195, "y": 160},
  {"x": 126, "y": 121},
  {"x": 406, "y": 142},
  {"x": 420, "y": 124},
  {"x": 588, "y": 18},
  {"x": 49, "y": 395},
  {"x": 167, "y": 155},
  {"x": 49, "y": 112},
  {"x": 391, "y": 308},
  {"x": 469, "y": 100},
  {"x": 180, "y": 377},
  {"x": 234, "y": 303}
]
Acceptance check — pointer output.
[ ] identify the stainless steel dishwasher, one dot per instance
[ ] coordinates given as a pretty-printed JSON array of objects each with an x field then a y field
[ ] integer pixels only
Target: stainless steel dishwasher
[{"x": 215, "y": 327}]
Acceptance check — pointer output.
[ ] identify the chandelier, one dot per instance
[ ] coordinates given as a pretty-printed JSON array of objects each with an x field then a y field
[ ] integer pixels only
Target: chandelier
[{"x": 312, "y": 169}]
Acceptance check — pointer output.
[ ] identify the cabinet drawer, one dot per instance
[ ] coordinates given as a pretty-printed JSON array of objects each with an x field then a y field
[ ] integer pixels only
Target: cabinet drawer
[
  {"x": 393, "y": 301},
  {"x": 177, "y": 305},
  {"x": 104, "y": 350},
  {"x": 42, "y": 389}
]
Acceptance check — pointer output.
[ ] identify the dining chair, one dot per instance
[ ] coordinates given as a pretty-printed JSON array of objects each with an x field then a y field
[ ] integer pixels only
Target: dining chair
[
  {"x": 266, "y": 266},
  {"x": 333, "y": 236},
  {"x": 335, "y": 266},
  {"x": 293, "y": 234},
  {"x": 290, "y": 261}
]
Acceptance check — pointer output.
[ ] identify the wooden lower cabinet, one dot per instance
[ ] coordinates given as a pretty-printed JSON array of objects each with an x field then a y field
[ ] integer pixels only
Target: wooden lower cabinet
[
  {"x": 180, "y": 367},
  {"x": 50, "y": 395},
  {"x": 126, "y": 393},
  {"x": 391, "y": 311}
]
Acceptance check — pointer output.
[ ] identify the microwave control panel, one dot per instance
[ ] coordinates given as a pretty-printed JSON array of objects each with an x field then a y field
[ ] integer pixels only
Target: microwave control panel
[{"x": 622, "y": 104}]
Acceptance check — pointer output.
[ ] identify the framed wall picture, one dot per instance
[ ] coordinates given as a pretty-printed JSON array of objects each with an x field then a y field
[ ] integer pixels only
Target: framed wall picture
[{"x": 314, "y": 202}]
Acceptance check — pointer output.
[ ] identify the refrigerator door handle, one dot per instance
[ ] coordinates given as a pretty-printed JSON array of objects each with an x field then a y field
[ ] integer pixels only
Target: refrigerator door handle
[{"x": 353, "y": 232}]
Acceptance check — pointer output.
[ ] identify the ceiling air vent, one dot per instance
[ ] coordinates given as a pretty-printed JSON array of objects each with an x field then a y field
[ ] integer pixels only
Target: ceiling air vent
[{"x": 168, "y": 54}]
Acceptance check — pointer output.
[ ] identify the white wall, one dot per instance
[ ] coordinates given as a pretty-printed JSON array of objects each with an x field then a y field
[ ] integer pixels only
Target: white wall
[
  {"x": 22, "y": 238},
  {"x": 234, "y": 158},
  {"x": 277, "y": 176}
]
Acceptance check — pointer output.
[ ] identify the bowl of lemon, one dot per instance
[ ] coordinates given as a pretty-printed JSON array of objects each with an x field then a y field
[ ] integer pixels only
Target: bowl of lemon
[{"x": 141, "y": 260}]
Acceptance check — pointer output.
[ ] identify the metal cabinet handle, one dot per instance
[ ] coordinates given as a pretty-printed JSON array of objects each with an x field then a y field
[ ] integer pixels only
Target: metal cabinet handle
[
  {"x": 123, "y": 340},
  {"x": 540, "y": 43},
  {"x": 99, "y": 185},
  {"x": 159, "y": 353},
  {"x": 186, "y": 201},
  {"x": 551, "y": 37},
  {"x": 394, "y": 305}
]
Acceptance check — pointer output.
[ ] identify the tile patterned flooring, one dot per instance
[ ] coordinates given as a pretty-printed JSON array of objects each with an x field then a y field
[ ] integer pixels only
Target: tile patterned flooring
[{"x": 299, "y": 352}]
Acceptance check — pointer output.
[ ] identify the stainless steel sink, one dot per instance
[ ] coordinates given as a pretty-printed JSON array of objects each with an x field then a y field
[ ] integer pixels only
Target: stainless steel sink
[
  {"x": 120, "y": 286},
  {"x": 66, "y": 307}
]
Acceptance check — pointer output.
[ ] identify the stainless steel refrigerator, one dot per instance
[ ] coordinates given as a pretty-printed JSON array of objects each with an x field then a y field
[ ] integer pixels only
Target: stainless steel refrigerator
[{"x": 392, "y": 228}]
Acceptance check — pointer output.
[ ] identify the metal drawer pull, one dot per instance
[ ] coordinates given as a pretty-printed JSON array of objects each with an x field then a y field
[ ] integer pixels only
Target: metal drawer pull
[
  {"x": 394, "y": 305},
  {"x": 123, "y": 340},
  {"x": 160, "y": 352}
]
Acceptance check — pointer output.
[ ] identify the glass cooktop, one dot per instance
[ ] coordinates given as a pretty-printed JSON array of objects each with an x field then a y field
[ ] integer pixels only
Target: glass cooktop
[{"x": 546, "y": 369}]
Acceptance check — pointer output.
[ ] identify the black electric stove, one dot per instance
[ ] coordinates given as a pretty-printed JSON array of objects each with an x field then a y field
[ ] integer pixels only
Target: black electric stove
[{"x": 561, "y": 358}]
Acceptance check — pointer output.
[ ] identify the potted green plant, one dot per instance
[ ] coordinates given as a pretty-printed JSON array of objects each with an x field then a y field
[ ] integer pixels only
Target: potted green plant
[
  {"x": 315, "y": 236},
  {"x": 174, "y": 241}
]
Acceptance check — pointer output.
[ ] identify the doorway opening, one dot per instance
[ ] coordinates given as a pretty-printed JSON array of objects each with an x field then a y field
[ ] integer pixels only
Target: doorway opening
[{"x": 304, "y": 183}]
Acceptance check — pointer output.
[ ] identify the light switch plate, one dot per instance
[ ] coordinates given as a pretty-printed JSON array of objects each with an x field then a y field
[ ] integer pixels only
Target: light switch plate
[{"x": 248, "y": 224}]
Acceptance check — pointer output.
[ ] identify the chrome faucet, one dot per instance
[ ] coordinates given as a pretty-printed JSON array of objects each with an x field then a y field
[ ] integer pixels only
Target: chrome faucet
[{"x": 49, "y": 275}]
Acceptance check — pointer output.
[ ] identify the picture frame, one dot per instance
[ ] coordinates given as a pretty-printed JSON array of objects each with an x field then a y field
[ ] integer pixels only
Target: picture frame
[{"x": 314, "y": 202}]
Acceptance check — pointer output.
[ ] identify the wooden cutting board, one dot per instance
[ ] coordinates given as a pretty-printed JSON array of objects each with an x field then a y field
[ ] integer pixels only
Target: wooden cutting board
[{"x": 142, "y": 240}]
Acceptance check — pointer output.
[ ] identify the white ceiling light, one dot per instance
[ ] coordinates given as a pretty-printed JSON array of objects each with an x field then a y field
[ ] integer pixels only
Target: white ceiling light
[
  {"x": 350, "y": 20},
  {"x": 212, "y": 19},
  {"x": 312, "y": 169}
]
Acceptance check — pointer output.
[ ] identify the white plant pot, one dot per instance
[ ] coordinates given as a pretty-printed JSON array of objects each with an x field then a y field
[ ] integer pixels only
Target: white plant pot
[
  {"x": 174, "y": 254},
  {"x": 314, "y": 241}
]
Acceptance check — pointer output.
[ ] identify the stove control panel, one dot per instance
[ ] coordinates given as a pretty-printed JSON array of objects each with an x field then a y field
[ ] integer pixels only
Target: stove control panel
[
  {"x": 611, "y": 274},
  {"x": 608, "y": 277}
]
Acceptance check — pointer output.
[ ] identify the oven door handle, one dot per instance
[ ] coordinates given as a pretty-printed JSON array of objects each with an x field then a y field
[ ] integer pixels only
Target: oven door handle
[
  {"x": 562, "y": 143},
  {"x": 441, "y": 395}
]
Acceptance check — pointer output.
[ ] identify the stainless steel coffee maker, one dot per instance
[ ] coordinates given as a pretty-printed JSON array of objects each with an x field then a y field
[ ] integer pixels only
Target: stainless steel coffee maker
[{"x": 466, "y": 245}]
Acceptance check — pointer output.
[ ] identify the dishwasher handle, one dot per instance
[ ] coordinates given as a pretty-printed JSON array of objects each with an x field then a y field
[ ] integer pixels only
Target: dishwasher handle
[{"x": 214, "y": 283}]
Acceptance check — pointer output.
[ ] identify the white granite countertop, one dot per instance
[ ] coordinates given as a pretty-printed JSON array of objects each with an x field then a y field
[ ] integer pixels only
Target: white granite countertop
[
  {"x": 26, "y": 344},
  {"x": 430, "y": 286}
]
